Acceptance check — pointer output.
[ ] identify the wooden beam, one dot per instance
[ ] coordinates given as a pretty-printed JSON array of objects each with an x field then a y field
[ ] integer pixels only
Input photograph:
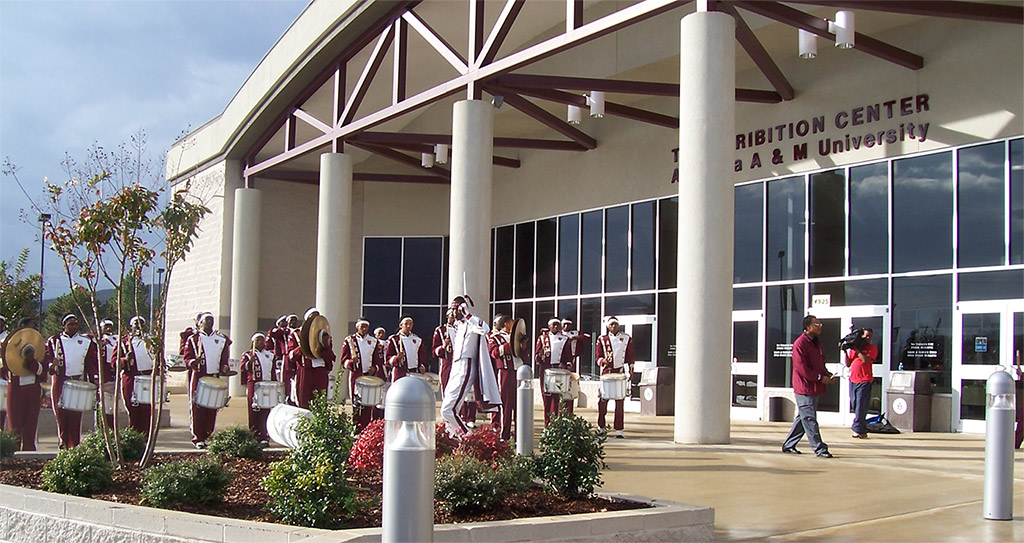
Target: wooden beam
[
  {"x": 610, "y": 108},
  {"x": 476, "y": 30},
  {"x": 520, "y": 82},
  {"x": 573, "y": 14},
  {"x": 401, "y": 61},
  {"x": 369, "y": 71},
  {"x": 976, "y": 11},
  {"x": 311, "y": 120},
  {"x": 399, "y": 138},
  {"x": 313, "y": 178},
  {"x": 758, "y": 54},
  {"x": 446, "y": 51},
  {"x": 543, "y": 117},
  {"x": 499, "y": 32},
  {"x": 401, "y": 158}
]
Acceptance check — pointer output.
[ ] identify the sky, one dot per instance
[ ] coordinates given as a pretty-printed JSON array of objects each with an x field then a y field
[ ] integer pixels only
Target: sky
[{"x": 74, "y": 73}]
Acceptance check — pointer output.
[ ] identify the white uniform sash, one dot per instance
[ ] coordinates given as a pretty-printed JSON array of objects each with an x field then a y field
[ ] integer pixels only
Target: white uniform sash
[
  {"x": 213, "y": 346},
  {"x": 367, "y": 344},
  {"x": 75, "y": 350},
  {"x": 411, "y": 343},
  {"x": 264, "y": 364},
  {"x": 143, "y": 360}
]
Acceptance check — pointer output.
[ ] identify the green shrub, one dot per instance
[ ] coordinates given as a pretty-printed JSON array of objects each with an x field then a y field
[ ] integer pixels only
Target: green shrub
[
  {"x": 185, "y": 482},
  {"x": 571, "y": 456},
  {"x": 463, "y": 482},
  {"x": 328, "y": 431},
  {"x": 133, "y": 443},
  {"x": 515, "y": 474},
  {"x": 8, "y": 444},
  {"x": 80, "y": 471},
  {"x": 236, "y": 442}
]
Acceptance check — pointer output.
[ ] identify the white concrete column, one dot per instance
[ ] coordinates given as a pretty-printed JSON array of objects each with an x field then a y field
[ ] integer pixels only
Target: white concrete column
[
  {"x": 245, "y": 277},
  {"x": 333, "y": 233},
  {"x": 704, "y": 311},
  {"x": 470, "y": 224}
]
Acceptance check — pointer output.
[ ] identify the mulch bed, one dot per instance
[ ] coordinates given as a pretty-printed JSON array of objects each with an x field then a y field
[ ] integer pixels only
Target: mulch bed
[{"x": 245, "y": 499}]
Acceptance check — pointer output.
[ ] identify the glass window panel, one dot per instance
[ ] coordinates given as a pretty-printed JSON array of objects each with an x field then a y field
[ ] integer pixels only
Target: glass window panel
[
  {"x": 503, "y": 309},
  {"x": 524, "y": 310},
  {"x": 1017, "y": 201},
  {"x": 668, "y": 242},
  {"x": 921, "y": 329},
  {"x": 590, "y": 323},
  {"x": 785, "y": 257},
  {"x": 922, "y": 213},
  {"x": 828, "y": 224},
  {"x": 643, "y": 336},
  {"x": 616, "y": 265},
  {"x": 567, "y": 310},
  {"x": 996, "y": 285},
  {"x": 424, "y": 320},
  {"x": 972, "y": 399},
  {"x": 867, "y": 292},
  {"x": 667, "y": 329},
  {"x": 869, "y": 219},
  {"x": 547, "y": 236},
  {"x": 980, "y": 205},
  {"x": 783, "y": 315},
  {"x": 568, "y": 254},
  {"x": 746, "y": 298},
  {"x": 545, "y": 312},
  {"x": 744, "y": 341},
  {"x": 831, "y": 332},
  {"x": 444, "y": 269},
  {"x": 744, "y": 391},
  {"x": 981, "y": 339},
  {"x": 524, "y": 260},
  {"x": 642, "y": 246},
  {"x": 748, "y": 234},
  {"x": 504, "y": 247},
  {"x": 590, "y": 252},
  {"x": 381, "y": 316},
  {"x": 382, "y": 271},
  {"x": 636, "y": 304},
  {"x": 421, "y": 282}
]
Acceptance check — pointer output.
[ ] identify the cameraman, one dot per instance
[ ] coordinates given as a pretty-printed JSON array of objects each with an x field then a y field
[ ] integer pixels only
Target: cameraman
[{"x": 859, "y": 359}]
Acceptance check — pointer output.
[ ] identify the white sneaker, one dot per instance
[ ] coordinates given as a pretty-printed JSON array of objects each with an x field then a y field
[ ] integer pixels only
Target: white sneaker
[
  {"x": 618, "y": 434},
  {"x": 200, "y": 444}
]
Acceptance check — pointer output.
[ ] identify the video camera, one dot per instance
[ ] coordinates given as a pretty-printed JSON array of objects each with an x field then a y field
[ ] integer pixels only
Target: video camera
[{"x": 854, "y": 340}]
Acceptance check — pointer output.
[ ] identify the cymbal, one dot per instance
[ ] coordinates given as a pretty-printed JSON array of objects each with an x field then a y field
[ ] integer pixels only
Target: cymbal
[
  {"x": 12, "y": 347},
  {"x": 518, "y": 333},
  {"x": 228, "y": 373},
  {"x": 311, "y": 335},
  {"x": 177, "y": 369}
]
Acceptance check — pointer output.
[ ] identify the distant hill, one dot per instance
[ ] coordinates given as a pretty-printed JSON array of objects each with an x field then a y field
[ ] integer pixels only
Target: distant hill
[{"x": 101, "y": 296}]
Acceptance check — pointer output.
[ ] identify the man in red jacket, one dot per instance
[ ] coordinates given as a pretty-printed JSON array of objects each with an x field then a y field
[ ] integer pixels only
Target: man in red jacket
[{"x": 810, "y": 380}]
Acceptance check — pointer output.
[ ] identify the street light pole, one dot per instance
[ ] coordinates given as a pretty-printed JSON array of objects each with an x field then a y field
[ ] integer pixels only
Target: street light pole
[{"x": 43, "y": 219}]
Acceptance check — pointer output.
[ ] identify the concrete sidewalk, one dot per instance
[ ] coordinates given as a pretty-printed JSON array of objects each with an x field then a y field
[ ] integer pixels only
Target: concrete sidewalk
[{"x": 906, "y": 487}]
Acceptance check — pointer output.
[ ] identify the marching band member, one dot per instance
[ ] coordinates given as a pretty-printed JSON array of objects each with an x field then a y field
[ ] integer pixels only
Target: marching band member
[
  {"x": 441, "y": 347},
  {"x": 138, "y": 360},
  {"x": 551, "y": 353},
  {"x": 24, "y": 395},
  {"x": 206, "y": 353},
  {"x": 405, "y": 351},
  {"x": 276, "y": 340},
  {"x": 3, "y": 372},
  {"x": 257, "y": 364},
  {"x": 499, "y": 344},
  {"x": 614, "y": 354},
  {"x": 471, "y": 365},
  {"x": 313, "y": 374},
  {"x": 108, "y": 364},
  {"x": 575, "y": 336},
  {"x": 70, "y": 356},
  {"x": 289, "y": 367},
  {"x": 382, "y": 336},
  {"x": 361, "y": 355}
]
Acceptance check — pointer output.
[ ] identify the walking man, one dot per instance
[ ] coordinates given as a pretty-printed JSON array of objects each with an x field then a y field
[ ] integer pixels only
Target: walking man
[{"x": 810, "y": 380}]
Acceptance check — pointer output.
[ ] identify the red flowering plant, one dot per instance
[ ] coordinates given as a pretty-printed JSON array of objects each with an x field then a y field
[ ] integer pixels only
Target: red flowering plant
[
  {"x": 444, "y": 444},
  {"x": 484, "y": 443},
  {"x": 368, "y": 450}
]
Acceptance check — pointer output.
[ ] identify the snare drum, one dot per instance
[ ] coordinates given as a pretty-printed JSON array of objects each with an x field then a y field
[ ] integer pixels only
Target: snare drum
[
  {"x": 142, "y": 390},
  {"x": 77, "y": 396},
  {"x": 267, "y": 394},
  {"x": 212, "y": 393},
  {"x": 331, "y": 380},
  {"x": 108, "y": 403},
  {"x": 431, "y": 378},
  {"x": 369, "y": 390},
  {"x": 614, "y": 386},
  {"x": 574, "y": 388},
  {"x": 557, "y": 381}
]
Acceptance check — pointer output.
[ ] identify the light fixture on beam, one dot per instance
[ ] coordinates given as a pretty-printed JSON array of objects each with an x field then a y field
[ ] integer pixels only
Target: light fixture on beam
[
  {"x": 441, "y": 153},
  {"x": 596, "y": 102},
  {"x": 843, "y": 28},
  {"x": 427, "y": 160},
  {"x": 575, "y": 115},
  {"x": 808, "y": 44}
]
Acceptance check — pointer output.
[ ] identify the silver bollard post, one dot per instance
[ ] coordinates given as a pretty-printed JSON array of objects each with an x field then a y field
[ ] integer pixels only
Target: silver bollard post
[
  {"x": 408, "y": 495},
  {"x": 524, "y": 411},
  {"x": 999, "y": 413}
]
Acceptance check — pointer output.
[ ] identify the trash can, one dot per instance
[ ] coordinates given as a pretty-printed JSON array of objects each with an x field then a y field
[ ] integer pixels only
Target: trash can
[
  {"x": 910, "y": 400},
  {"x": 657, "y": 391}
]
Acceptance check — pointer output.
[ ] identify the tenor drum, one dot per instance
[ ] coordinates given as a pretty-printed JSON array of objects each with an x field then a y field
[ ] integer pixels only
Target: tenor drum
[
  {"x": 557, "y": 381},
  {"x": 614, "y": 386},
  {"x": 212, "y": 393},
  {"x": 369, "y": 391},
  {"x": 267, "y": 394},
  {"x": 77, "y": 396},
  {"x": 574, "y": 388},
  {"x": 142, "y": 390}
]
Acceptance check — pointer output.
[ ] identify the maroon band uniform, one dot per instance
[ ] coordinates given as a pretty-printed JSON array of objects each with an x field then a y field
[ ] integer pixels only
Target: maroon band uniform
[
  {"x": 75, "y": 357},
  {"x": 24, "y": 402},
  {"x": 415, "y": 355},
  {"x": 137, "y": 361},
  {"x": 256, "y": 366},
  {"x": 362, "y": 355},
  {"x": 501, "y": 356},
  {"x": 614, "y": 354},
  {"x": 205, "y": 354},
  {"x": 552, "y": 352},
  {"x": 312, "y": 375}
]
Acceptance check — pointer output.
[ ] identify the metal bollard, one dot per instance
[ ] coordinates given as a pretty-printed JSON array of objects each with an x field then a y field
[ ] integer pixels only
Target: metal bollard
[
  {"x": 524, "y": 411},
  {"x": 999, "y": 413},
  {"x": 408, "y": 495}
]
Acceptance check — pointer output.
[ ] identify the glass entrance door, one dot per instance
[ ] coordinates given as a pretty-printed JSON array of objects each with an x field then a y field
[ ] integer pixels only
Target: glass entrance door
[
  {"x": 987, "y": 337},
  {"x": 643, "y": 330},
  {"x": 748, "y": 335},
  {"x": 834, "y": 407}
]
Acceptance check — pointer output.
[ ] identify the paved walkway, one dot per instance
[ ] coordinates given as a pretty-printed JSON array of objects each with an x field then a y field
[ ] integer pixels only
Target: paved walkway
[{"x": 906, "y": 487}]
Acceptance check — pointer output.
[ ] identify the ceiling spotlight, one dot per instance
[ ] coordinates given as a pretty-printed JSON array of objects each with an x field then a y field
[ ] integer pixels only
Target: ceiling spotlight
[
  {"x": 596, "y": 102},
  {"x": 427, "y": 160},
  {"x": 808, "y": 44},
  {"x": 843, "y": 28},
  {"x": 497, "y": 101},
  {"x": 575, "y": 115},
  {"x": 441, "y": 153}
]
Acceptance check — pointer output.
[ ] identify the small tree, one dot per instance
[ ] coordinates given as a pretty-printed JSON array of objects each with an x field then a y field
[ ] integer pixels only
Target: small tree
[{"x": 18, "y": 294}]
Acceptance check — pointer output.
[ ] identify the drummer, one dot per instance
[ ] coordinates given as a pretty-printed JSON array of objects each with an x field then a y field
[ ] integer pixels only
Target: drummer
[
  {"x": 362, "y": 355},
  {"x": 257, "y": 364},
  {"x": 405, "y": 351},
  {"x": 108, "y": 362},
  {"x": 70, "y": 356},
  {"x": 499, "y": 344},
  {"x": 3, "y": 373},
  {"x": 614, "y": 354},
  {"x": 276, "y": 340},
  {"x": 289, "y": 367},
  {"x": 441, "y": 347},
  {"x": 206, "y": 353},
  {"x": 551, "y": 353},
  {"x": 138, "y": 360},
  {"x": 313, "y": 373},
  {"x": 24, "y": 394}
]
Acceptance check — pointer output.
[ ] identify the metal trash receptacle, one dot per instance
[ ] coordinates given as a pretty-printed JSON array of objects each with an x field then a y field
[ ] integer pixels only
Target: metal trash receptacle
[
  {"x": 909, "y": 400},
  {"x": 657, "y": 391}
]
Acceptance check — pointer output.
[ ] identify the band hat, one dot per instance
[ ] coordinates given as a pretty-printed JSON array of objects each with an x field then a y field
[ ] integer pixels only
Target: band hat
[
  {"x": 131, "y": 322},
  {"x": 199, "y": 316},
  {"x": 555, "y": 320},
  {"x": 378, "y": 329},
  {"x": 68, "y": 317},
  {"x": 310, "y": 312},
  {"x": 3, "y": 318},
  {"x": 566, "y": 321},
  {"x": 256, "y": 335},
  {"x": 283, "y": 319},
  {"x": 609, "y": 320},
  {"x": 361, "y": 321},
  {"x": 105, "y": 322},
  {"x": 292, "y": 316},
  {"x": 405, "y": 318},
  {"x": 202, "y": 316}
]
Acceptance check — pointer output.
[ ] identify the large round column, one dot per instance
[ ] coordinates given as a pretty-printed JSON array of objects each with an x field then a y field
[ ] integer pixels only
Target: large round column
[
  {"x": 704, "y": 311},
  {"x": 245, "y": 277},
  {"x": 470, "y": 223},
  {"x": 333, "y": 233}
]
